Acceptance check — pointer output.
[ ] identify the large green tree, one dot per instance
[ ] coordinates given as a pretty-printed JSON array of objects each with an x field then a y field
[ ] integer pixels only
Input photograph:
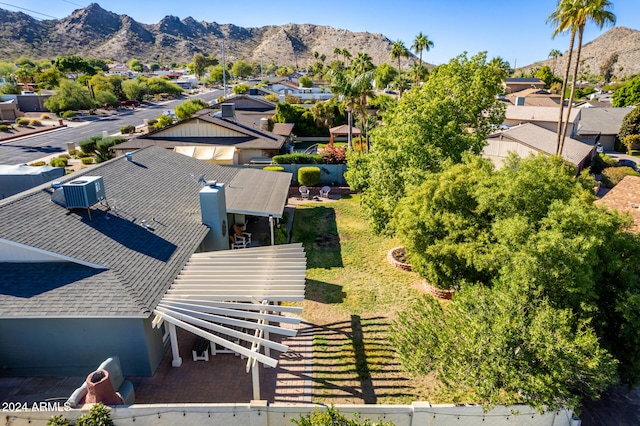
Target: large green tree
[
  {"x": 399, "y": 51},
  {"x": 384, "y": 75},
  {"x": 189, "y": 107},
  {"x": 530, "y": 230},
  {"x": 453, "y": 112},
  {"x": 241, "y": 69},
  {"x": 628, "y": 95},
  {"x": 71, "y": 96}
]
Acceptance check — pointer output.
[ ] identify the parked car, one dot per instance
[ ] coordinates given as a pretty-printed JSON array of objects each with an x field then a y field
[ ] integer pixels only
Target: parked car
[
  {"x": 131, "y": 102},
  {"x": 628, "y": 163}
]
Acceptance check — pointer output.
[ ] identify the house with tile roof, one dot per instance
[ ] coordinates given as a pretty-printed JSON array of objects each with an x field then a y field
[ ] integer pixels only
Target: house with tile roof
[
  {"x": 84, "y": 265},
  {"x": 625, "y": 198},
  {"x": 601, "y": 125},
  {"x": 528, "y": 138}
]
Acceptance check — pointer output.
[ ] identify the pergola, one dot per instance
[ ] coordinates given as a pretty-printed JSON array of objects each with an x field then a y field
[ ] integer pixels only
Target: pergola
[
  {"x": 343, "y": 131},
  {"x": 232, "y": 298}
]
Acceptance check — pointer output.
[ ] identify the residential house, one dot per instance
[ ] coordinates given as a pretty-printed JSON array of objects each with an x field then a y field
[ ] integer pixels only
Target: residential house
[
  {"x": 529, "y": 138},
  {"x": 85, "y": 266},
  {"x": 235, "y": 142},
  {"x": 625, "y": 198},
  {"x": 514, "y": 84},
  {"x": 546, "y": 117},
  {"x": 601, "y": 125},
  {"x": 533, "y": 97},
  {"x": 9, "y": 110}
]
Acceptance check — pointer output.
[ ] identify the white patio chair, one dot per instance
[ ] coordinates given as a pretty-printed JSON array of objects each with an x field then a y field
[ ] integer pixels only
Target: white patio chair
[
  {"x": 324, "y": 192},
  {"x": 304, "y": 192}
]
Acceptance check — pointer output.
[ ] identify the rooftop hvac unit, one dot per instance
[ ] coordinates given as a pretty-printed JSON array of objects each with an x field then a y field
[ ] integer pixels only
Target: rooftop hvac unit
[
  {"x": 228, "y": 111},
  {"x": 520, "y": 100},
  {"x": 83, "y": 192}
]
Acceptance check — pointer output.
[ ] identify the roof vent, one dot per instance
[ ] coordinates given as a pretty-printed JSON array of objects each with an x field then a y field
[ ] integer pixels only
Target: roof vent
[
  {"x": 228, "y": 111},
  {"x": 83, "y": 192},
  {"x": 129, "y": 156},
  {"x": 520, "y": 100}
]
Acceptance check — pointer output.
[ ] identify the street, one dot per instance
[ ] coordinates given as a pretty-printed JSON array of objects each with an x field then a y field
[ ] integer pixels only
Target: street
[{"x": 31, "y": 148}]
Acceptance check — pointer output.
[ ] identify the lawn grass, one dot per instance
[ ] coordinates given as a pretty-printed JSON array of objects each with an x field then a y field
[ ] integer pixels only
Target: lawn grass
[{"x": 352, "y": 296}]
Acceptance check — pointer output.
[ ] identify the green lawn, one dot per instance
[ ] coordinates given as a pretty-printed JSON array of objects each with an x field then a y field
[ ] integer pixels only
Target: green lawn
[{"x": 352, "y": 295}]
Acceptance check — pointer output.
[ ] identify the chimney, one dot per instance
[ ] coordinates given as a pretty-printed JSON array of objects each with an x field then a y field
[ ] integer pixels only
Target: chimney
[
  {"x": 213, "y": 207},
  {"x": 264, "y": 123}
]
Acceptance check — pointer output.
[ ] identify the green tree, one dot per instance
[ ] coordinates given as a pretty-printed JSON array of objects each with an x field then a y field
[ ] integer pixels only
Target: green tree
[
  {"x": 628, "y": 95},
  {"x": 98, "y": 64},
  {"x": 163, "y": 85},
  {"x": 354, "y": 90},
  {"x": 133, "y": 89},
  {"x": 630, "y": 124},
  {"x": 573, "y": 15},
  {"x": 71, "y": 96},
  {"x": 361, "y": 63},
  {"x": 215, "y": 75},
  {"x": 545, "y": 74},
  {"x": 305, "y": 81},
  {"x": 49, "y": 79},
  {"x": 241, "y": 69},
  {"x": 606, "y": 68},
  {"x": 453, "y": 112},
  {"x": 105, "y": 98},
  {"x": 199, "y": 64},
  {"x": 421, "y": 43},
  {"x": 384, "y": 75},
  {"x": 238, "y": 89},
  {"x": 135, "y": 65},
  {"x": 7, "y": 69},
  {"x": 73, "y": 64},
  {"x": 189, "y": 107}
]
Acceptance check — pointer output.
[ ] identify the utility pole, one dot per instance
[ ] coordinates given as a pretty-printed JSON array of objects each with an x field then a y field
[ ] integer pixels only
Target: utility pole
[{"x": 261, "y": 72}]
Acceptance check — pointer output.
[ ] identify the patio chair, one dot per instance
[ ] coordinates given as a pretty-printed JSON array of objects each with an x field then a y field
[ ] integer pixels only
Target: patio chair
[
  {"x": 237, "y": 242},
  {"x": 241, "y": 235},
  {"x": 324, "y": 192},
  {"x": 304, "y": 192}
]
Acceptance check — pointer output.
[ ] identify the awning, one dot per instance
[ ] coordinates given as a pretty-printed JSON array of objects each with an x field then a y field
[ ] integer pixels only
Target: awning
[
  {"x": 231, "y": 298},
  {"x": 258, "y": 193},
  {"x": 212, "y": 153}
]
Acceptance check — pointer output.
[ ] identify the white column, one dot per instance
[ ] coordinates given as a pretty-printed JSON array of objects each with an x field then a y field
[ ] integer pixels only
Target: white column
[
  {"x": 267, "y": 350},
  {"x": 173, "y": 335},
  {"x": 255, "y": 378},
  {"x": 273, "y": 241}
]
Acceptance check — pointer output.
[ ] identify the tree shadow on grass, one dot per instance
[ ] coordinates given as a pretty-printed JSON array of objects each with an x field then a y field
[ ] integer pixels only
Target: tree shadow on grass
[
  {"x": 317, "y": 229},
  {"x": 322, "y": 292}
]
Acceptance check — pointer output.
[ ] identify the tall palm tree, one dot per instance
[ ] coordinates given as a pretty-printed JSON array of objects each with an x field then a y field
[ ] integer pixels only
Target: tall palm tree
[
  {"x": 346, "y": 54},
  {"x": 362, "y": 63},
  {"x": 573, "y": 15},
  {"x": 421, "y": 43},
  {"x": 337, "y": 51},
  {"x": 323, "y": 58},
  {"x": 554, "y": 54},
  {"x": 398, "y": 50}
]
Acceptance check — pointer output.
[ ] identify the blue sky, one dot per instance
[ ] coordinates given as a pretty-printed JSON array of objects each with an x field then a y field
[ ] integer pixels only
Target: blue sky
[{"x": 515, "y": 30}]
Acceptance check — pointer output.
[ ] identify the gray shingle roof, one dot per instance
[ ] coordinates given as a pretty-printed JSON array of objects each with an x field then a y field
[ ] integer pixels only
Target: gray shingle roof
[
  {"x": 607, "y": 121},
  {"x": 141, "y": 263}
]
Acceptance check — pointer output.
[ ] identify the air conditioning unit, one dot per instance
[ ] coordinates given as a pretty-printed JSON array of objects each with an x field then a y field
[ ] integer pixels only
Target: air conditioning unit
[
  {"x": 83, "y": 192},
  {"x": 228, "y": 111}
]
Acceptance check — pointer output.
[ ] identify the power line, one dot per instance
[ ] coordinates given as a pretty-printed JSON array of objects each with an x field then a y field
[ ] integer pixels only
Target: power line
[
  {"x": 28, "y": 10},
  {"x": 70, "y": 2}
]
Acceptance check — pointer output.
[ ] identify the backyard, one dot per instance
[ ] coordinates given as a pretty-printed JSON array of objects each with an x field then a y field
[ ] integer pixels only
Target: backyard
[{"x": 352, "y": 296}]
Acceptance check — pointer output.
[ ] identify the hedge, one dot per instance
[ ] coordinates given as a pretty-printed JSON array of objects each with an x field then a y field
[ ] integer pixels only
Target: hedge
[
  {"x": 128, "y": 129},
  {"x": 274, "y": 168},
  {"x": 88, "y": 146},
  {"x": 87, "y": 160},
  {"x": 295, "y": 158},
  {"x": 309, "y": 176},
  {"x": 59, "y": 162},
  {"x": 611, "y": 176}
]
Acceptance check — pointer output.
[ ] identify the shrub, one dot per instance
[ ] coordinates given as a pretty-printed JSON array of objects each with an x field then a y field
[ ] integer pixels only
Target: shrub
[
  {"x": 22, "y": 121},
  {"x": 274, "y": 168},
  {"x": 152, "y": 122},
  {"x": 68, "y": 114},
  {"x": 332, "y": 417},
  {"x": 163, "y": 121},
  {"x": 73, "y": 152},
  {"x": 58, "y": 420},
  {"x": 332, "y": 154},
  {"x": 88, "y": 146},
  {"x": 35, "y": 123},
  {"x": 272, "y": 98},
  {"x": 4, "y": 128},
  {"x": 601, "y": 162},
  {"x": 611, "y": 176},
  {"x": 81, "y": 154},
  {"x": 99, "y": 415},
  {"x": 632, "y": 141},
  {"x": 309, "y": 176},
  {"x": 295, "y": 158},
  {"x": 44, "y": 117},
  {"x": 103, "y": 151},
  {"x": 87, "y": 160},
  {"x": 240, "y": 88},
  {"x": 59, "y": 162},
  {"x": 634, "y": 152},
  {"x": 65, "y": 155},
  {"x": 37, "y": 163},
  {"x": 128, "y": 129}
]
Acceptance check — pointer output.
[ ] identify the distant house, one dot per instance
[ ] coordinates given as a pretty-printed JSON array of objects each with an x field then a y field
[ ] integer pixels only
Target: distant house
[
  {"x": 514, "y": 84},
  {"x": 529, "y": 138},
  {"x": 120, "y": 69},
  {"x": 9, "y": 110},
  {"x": 84, "y": 267},
  {"x": 600, "y": 125},
  {"x": 236, "y": 143},
  {"x": 546, "y": 117},
  {"x": 533, "y": 97},
  {"x": 625, "y": 198}
]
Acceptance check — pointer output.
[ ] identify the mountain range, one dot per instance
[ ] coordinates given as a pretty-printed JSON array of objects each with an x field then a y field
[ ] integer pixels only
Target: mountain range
[{"x": 93, "y": 32}]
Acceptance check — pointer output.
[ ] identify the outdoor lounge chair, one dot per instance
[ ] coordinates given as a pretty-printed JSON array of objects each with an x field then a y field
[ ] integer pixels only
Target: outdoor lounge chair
[
  {"x": 324, "y": 192},
  {"x": 241, "y": 235},
  {"x": 304, "y": 192}
]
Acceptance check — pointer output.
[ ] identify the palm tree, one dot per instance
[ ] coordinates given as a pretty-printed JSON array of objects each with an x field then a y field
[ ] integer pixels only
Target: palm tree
[
  {"x": 323, "y": 58},
  {"x": 337, "y": 51},
  {"x": 346, "y": 54},
  {"x": 421, "y": 43},
  {"x": 573, "y": 15},
  {"x": 554, "y": 54},
  {"x": 398, "y": 50},
  {"x": 362, "y": 63}
]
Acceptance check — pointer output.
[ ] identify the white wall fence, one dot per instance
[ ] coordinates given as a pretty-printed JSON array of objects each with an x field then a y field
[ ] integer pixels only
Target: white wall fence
[{"x": 259, "y": 413}]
